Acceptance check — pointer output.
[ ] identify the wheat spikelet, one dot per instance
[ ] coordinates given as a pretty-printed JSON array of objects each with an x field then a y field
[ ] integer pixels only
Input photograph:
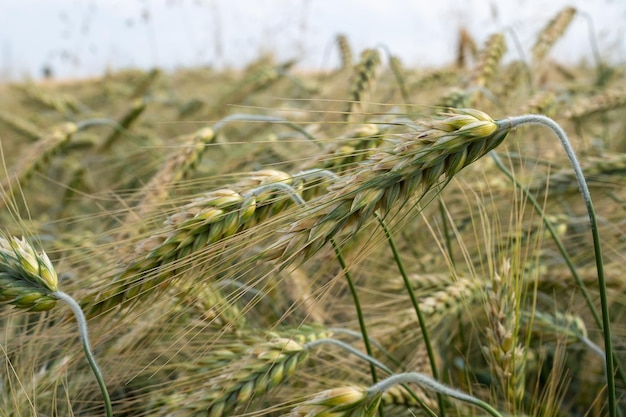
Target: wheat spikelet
[
  {"x": 504, "y": 355},
  {"x": 542, "y": 102},
  {"x": 437, "y": 78},
  {"x": 561, "y": 327},
  {"x": 145, "y": 83},
  {"x": 27, "y": 278},
  {"x": 599, "y": 103},
  {"x": 20, "y": 125},
  {"x": 398, "y": 71},
  {"x": 124, "y": 122},
  {"x": 398, "y": 395},
  {"x": 347, "y": 401},
  {"x": 39, "y": 156},
  {"x": 259, "y": 370},
  {"x": 465, "y": 43},
  {"x": 177, "y": 167},
  {"x": 354, "y": 146},
  {"x": 551, "y": 33},
  {"x": 394, "y": 173},
  {"x": 605, "y": 171},
  {"x": 456, "y": 98},
  {"x": 449, "y": 300},
  {"x": 209, "y": 219},
  {"x": 363, "y": 79},
  {"x": 258, "y": 81},
  {"x": 488, "y": 61},
  {"x": 62, "y": 103},
  {"x": 345, "y": 51}
]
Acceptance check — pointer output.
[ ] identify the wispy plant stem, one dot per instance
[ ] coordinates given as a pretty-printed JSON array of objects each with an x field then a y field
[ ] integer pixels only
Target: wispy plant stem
[
  {"x": 357, "y": 306},
  {"x": 84, "y": 337},
  {"x": 426, "y": 382},
  {"x": 420, "y": 316},
  {"x": 532, "y": 119}
]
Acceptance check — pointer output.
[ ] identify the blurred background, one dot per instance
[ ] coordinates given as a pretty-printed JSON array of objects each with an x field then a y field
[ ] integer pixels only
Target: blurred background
[{"x": 85, "y": 38}]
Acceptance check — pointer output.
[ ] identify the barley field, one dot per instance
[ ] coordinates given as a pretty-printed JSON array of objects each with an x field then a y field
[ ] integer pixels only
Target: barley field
[{"x": 368, "y": 240}]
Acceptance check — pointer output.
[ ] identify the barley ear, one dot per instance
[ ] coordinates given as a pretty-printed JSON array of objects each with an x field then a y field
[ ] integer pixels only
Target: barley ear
[
  {"x": 29, "y": 281},
  {"x": 27, "y": 278}
]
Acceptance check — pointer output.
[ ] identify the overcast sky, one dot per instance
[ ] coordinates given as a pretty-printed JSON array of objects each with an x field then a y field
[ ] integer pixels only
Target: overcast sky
[{"x": 78, "y": 38}]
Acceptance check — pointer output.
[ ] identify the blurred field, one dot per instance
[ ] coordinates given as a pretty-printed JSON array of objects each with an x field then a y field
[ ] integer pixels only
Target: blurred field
[{"x": 146, "y": 191}]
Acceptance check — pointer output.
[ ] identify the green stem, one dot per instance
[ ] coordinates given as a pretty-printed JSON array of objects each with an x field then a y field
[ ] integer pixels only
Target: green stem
[
  {"x": 357, "y": 306},
  {"x": 84, "y": 337},
  {"x": 513, "y": 122},
  {"x": 420, "y": 317},
  {"x": 426, "y": 382},
  {"x": 371, "y": 361}
]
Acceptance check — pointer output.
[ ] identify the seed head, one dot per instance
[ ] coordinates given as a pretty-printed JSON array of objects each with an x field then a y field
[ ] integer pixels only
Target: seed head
[{"x": 27, "y": 278}]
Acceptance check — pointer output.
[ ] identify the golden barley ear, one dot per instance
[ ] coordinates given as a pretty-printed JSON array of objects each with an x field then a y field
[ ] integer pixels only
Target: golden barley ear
[
  {"x": 362, "y": 81},
  {"x": 345, "y": 50},
  {"x": 396, "y": 172},
  {"x": 489, "y": 60},
  {"x": 551, "y": 33}
]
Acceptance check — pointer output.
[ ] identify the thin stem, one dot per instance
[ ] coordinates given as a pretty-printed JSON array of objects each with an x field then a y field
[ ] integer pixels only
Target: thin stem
[
  {"x": 426, "y": 382},
  {"x": 553, "y": 234},
  {"x": 420, "y": 316},
  {"x": 339, "y": 330},
  {"x": 84, "y": 337},
  {"x": 371, "y": 361},
  {"x": 513, "y": 122},
  {"x": 357, "y": 306}
]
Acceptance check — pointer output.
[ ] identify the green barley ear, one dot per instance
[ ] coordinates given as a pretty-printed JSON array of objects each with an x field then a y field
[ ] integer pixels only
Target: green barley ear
[
  {"x": 343, "y": 401},
  {"x": 27, "y": 278},
  {"x": 412, "y": 165},
  {"x": 29, "y": 281}
]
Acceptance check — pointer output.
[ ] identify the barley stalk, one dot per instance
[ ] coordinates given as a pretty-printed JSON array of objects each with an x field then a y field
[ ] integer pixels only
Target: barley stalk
[
  {"x": 29, "y": 281},
  {"x": 489, "y": 60},
  {"x": 599, "y": 103},
  {"x": 261, "y": 369},
  {"x": 207, "y": 220},
  {"x": 347, "y": 401},
  {"x": 177, "y": 167},
  {"x": 27, "y": 278},
  {"x": 395, "y": 172},
  {"x": 345, "y": 51},
  {"x": 363, "y": 79},
  {"x": 39, "y": 156},
  {"x": 125, "y": 121},
  {"x": 552, "y": 32},
  {"x": 503, "y": 353},
  {"x": 465, "y": 43},
  {"x": 21, "y": 126}
]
